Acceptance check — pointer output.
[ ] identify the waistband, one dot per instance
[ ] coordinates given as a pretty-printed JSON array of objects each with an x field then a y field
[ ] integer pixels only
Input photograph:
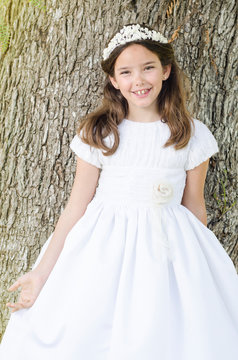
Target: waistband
[{"x": 140, "y": 185}]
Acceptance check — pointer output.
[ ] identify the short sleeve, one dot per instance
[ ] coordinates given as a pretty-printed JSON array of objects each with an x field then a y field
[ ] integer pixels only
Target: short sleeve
[
  {"x": 202, "y": 145},
  {"x": 85, "y": 152}
]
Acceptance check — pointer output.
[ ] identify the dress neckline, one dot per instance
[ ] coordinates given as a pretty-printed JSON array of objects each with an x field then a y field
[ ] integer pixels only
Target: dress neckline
[{"x": 141, "y": 122}]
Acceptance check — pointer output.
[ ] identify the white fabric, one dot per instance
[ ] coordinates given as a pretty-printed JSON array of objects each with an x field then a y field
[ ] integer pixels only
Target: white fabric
[
  {"x": 135, "y": 280},
  {"x": 84, "y": 151},
  {"x": 202, "y": 145}
]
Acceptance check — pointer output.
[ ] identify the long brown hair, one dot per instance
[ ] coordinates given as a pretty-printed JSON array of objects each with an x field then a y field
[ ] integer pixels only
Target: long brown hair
[{"x": 114, "y": 108}]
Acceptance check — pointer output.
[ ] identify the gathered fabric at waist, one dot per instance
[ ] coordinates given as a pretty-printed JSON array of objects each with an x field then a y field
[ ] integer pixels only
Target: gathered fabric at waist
[{"x": 140, "y": 185}]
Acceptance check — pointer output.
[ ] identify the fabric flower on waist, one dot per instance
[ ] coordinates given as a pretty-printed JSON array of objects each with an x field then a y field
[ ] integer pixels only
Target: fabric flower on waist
[{"x": 162, "y": 193}]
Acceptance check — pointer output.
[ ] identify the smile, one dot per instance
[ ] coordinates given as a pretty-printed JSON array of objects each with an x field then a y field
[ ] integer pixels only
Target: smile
[{"x": 142, "y": 92}]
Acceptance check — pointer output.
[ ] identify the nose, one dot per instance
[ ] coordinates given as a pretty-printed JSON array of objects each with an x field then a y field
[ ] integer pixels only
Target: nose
[
  {"x": 139, "y": 83},
  {"x": 139, "y": 80}
]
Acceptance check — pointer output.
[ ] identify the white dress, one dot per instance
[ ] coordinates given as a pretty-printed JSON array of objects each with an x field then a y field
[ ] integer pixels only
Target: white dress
[{"x": 139, "y": 277}]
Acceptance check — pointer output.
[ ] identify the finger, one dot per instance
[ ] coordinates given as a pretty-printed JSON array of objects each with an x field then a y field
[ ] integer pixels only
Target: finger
[
  {"x": 14, "y": 286},
  {"x": 25, "y": 301},
  {"x": 14, "y": 309},
  {"x": 17, "y": 306},
  {"x": 10, "y": 305}
]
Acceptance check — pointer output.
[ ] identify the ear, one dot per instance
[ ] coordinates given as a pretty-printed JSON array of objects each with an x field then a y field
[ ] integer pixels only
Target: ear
[
  {"x": 114, "y": 83},
  {"x": 166, "y": 71}
]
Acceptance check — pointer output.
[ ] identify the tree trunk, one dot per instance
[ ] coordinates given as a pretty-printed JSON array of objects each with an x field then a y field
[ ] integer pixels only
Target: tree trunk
[{"x": 50, "y": 76}]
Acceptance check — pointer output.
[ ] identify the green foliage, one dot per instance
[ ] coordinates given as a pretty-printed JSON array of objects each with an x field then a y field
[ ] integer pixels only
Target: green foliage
[
  {"x": 3, "y": 3},
  {"x": 39, "y": 4},
  {"x": 5, "y": 35},
  {"x": 5, "y": 32},
  {"x": 222, "y": 200},
  {"x": 5, "y": 29}
]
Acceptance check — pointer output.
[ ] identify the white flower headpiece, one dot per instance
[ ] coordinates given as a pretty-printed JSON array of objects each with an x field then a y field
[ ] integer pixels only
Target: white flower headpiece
[{"x": 130, "y": 33}]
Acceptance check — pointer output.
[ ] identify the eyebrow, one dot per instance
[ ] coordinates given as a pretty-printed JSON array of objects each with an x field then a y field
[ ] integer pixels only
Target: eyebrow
[{"x": 128, "y": 67}]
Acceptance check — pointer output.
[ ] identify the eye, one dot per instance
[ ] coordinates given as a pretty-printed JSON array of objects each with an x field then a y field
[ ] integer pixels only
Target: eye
[
  {"x": 124, "y": 72},
  {"x": 149, "y": 67}
]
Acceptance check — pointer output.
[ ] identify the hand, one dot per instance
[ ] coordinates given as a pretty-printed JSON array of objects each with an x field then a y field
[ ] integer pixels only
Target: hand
[{"x": 31, "y": 284}]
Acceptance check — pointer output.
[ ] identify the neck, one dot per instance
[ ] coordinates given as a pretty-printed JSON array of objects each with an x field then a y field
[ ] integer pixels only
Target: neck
[{"x": 143, "y": 115}]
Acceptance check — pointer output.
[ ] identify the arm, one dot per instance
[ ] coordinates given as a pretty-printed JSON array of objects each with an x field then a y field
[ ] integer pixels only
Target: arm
[
  {"x": 83, "y": 190},
  {"x": 193, "y": 196}
]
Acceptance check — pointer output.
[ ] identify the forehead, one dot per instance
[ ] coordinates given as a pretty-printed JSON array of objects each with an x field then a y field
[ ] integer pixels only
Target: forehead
[{"x": 134, "y": 55}]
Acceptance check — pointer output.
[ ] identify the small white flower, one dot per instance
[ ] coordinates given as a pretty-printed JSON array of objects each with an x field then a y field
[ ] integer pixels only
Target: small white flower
[{"x": 162, "y": 192}]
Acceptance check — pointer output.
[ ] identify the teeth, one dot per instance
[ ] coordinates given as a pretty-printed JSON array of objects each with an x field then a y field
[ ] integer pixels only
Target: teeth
[{"x": 141, "y": 92}]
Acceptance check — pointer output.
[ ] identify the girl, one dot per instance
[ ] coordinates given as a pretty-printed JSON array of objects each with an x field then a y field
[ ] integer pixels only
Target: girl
[{"x": 131, "y": 271}]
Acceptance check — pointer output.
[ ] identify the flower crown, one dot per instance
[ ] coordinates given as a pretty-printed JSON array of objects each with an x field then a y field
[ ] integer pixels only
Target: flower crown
[{"x": 130, "y": 33}]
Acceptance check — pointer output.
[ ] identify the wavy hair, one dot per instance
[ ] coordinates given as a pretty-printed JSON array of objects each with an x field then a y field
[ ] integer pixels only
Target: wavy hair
[{"x": 171, "y": 100}]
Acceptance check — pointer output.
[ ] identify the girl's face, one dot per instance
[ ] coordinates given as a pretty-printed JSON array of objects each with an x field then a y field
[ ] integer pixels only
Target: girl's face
[{"x": 138, "y": 74}]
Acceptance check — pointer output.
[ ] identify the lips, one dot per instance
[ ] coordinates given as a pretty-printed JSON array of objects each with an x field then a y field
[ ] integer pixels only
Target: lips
[{"x": 141, "y": 92}]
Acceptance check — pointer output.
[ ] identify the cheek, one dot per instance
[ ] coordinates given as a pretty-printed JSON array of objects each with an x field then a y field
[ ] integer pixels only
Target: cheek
[
  {"x": 155, "y": 78},
  {"x": 124, "y": 83}
]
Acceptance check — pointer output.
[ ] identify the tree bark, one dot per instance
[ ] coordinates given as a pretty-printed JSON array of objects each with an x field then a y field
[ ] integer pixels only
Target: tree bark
[{"x": 50, "y": 77}]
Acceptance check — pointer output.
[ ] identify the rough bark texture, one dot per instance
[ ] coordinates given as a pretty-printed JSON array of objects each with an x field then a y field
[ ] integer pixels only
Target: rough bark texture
[{"x": 50, "y": 76}]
